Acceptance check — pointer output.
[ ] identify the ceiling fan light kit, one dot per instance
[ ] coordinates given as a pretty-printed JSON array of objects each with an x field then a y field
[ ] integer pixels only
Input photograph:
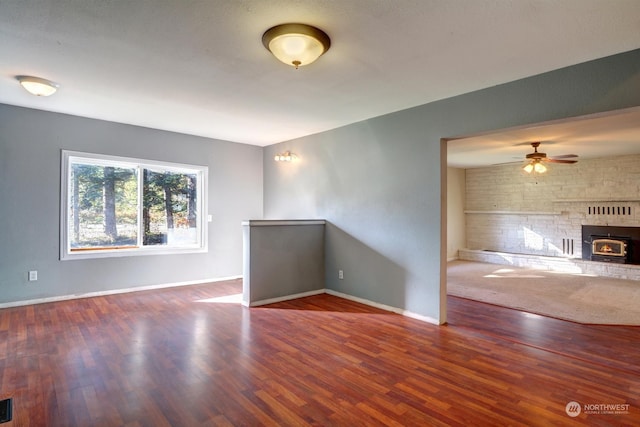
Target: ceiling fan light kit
[{"x": 535, "y": 166}]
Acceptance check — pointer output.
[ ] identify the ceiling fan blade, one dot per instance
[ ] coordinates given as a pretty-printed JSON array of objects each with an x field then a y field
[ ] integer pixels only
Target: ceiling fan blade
[
  {"x": 539, "y": 156},
  {"x": 565, "y": 156},
  {"x": 561, "y": 161}
]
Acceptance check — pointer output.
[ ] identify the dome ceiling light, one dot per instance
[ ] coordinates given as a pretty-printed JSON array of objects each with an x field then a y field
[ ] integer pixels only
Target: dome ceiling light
[
  {"x": 38, "y": 86},
  {"x": 296, "y": 44}
]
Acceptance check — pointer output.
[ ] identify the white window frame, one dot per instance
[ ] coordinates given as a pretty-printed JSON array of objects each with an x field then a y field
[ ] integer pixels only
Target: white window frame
[{"x": 65, "y": 204}]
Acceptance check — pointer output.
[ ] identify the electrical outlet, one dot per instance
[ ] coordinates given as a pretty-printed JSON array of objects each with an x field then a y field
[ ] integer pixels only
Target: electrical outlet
[
  {"x": 33, "y": 275},
  {"x": 340, "y": 274}
]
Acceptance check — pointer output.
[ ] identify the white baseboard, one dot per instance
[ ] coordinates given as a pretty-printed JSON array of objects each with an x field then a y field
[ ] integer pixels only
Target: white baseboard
[
  {"x": 114, "y": 292},
  {"x": 384, "y": 307}
]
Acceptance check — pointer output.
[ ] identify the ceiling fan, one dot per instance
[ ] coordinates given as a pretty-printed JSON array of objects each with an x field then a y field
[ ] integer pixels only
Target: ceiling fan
[{"x": 536, "y": 159}]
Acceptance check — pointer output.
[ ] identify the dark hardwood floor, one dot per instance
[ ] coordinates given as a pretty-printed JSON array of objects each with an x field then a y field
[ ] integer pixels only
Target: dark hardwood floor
[{"x": 184, "y": 357}]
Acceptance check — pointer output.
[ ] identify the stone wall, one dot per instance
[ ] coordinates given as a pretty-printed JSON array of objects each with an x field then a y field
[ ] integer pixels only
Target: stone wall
[{"x": 510, "y": 211}]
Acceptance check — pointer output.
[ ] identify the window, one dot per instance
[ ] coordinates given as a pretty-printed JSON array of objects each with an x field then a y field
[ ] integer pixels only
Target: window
[{"x": 115, "y": 206}]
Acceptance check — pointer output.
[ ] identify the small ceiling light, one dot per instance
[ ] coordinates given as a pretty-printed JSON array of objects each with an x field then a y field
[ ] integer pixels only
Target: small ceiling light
[
  {"x": 38, "y": 86},
  {"x": 287, "y": 156},
  {"x": 296, "y": 44}
]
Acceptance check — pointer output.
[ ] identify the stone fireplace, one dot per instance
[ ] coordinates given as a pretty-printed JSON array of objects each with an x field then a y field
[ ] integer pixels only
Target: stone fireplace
[{"x": 514, "y": 219}]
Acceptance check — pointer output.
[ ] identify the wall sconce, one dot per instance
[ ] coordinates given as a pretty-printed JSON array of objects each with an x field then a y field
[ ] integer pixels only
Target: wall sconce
[
  {"x": 287, "y": 156},
  {"x": 535, "y": 166},
  {"x": 296, "y": 44},
  {"x": 38, "y": 86}
]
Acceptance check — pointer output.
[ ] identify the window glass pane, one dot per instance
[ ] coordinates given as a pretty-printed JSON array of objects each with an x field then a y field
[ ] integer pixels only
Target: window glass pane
[
  {"x": 103, "y": 206},
  {"x": 119, "y": 206},
  {"x": 170, "y": 208}
]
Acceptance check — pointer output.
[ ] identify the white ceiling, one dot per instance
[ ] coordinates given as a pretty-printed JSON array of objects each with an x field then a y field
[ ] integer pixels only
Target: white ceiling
[
  {"x": 601, "y": 135},
  {"x": 199, "y": 67}
]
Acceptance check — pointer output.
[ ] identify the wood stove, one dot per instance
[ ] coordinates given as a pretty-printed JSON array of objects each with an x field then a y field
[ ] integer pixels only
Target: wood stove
[
  {"x": 605, "y": 243},
  {"x": 609, "y": 249}
]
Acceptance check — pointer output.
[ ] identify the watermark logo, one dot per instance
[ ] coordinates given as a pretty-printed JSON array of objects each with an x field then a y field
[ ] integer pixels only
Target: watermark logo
[
  {"x": 606, "y": 408},
  {"x": 573, "y": 409}
]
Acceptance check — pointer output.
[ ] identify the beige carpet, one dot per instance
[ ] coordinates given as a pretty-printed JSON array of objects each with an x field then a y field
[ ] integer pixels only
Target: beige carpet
[{"x": 583, "y": 299}]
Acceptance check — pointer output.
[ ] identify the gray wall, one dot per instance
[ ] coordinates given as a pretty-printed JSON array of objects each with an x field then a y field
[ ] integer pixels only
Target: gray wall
[
  {"x": 378, "y": 182},
  {"x": 281, "y": 259},
  {"x": 30, "y": 144}
]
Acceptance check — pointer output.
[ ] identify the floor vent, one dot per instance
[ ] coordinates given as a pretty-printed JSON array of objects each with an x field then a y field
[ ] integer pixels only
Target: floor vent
[{"x": 5, "y": 410}]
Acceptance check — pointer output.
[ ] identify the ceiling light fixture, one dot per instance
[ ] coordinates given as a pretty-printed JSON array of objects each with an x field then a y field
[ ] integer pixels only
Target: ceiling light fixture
[
  {"x": 38, "y": 86},
  {"x": 296, "y": 44}
]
